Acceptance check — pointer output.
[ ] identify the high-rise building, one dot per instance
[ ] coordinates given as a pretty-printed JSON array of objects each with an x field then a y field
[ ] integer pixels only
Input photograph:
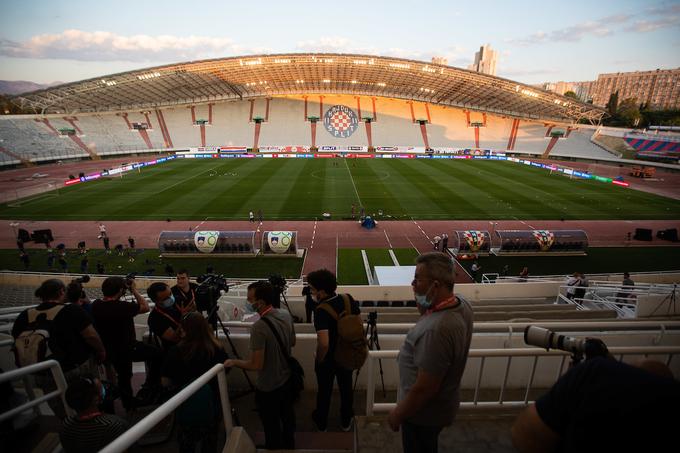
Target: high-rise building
[
  {"x": 440, "y": 60},
  {"x": 659, "y": 89},
  {"x": 581, "y": 89},
  {"x": 485, "y": 60}
]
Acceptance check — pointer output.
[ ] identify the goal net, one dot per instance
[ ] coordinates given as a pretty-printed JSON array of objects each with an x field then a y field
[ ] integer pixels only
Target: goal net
[{"x": 23, "y": 195}]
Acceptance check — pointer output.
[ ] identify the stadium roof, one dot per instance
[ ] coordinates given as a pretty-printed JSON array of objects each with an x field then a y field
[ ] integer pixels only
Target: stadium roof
[{"x": 255, "y": 76}]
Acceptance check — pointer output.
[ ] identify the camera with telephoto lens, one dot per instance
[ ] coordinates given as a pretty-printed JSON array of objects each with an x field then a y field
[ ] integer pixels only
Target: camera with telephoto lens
[
  {"x": 545, "y": 338},
  {"x": 210, "y": 287},
  {"x": 129, "y": 279}
]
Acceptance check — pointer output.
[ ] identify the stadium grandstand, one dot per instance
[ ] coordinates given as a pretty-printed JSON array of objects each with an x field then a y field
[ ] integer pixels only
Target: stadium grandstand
[
  {"x": 276, "y": 100},
  {"x": 340, "y": 106}
]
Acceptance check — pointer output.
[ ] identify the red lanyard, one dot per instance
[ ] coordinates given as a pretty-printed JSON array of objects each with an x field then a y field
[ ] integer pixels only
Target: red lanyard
[
  {"x": 190, "y": 305},
  {"x": 267, "y": 310},
  {"x": 162, "y": 312},
  {"x": 88, "y": 417},
  {"x": 451, "y": 302}
]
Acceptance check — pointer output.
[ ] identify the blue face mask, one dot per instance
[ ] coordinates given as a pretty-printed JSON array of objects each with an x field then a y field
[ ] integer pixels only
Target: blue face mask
[
  {"x": 250, "y": 309},
  {"x": 169, "y": 302}
]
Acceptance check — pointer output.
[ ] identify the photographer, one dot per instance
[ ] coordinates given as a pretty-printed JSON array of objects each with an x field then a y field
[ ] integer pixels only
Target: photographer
[
  {"x": 75, "y": 294},
  {"x": 603, "y": 405},
  {"x": 114, "y": 319},
  {"x": 268, "y": 336},
  {"x": 184, "y": 292},
  {"x": 323, "y": 285}
]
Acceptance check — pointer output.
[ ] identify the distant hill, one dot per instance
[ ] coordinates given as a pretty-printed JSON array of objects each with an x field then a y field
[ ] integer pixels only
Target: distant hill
[{"x": 12, "y": 87}]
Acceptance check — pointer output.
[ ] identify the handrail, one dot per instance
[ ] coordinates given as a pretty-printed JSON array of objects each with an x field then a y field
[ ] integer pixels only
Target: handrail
[
  {"x": 502, "y": 327},
  {"x": 373, "y": 356},
  {"x": 22, "y": 372},
  {"x": 129, "y": 437}
]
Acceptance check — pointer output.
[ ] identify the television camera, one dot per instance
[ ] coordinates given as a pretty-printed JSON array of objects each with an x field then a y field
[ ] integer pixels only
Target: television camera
[{"x": 210, "y": 287}]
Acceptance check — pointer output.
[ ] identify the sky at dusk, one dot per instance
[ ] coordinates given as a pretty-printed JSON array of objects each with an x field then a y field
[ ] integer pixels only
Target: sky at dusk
[{"x": 537, "y": 41}]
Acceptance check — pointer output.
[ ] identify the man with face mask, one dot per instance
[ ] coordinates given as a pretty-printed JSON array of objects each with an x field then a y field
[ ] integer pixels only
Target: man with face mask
[
  {"x": 273, "y": 395},
  {"x": 114, "y": 319},
  {"x": 164, "y": 319},
  {"x": 433, "y": 356},
  {"x": 323, "y": 286}
]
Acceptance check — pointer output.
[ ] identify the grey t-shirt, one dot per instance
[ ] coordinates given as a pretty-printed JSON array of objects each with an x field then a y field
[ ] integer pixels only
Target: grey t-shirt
[
  {"x": 438, "y": 344},
  {"x": 274, "y": 372}
]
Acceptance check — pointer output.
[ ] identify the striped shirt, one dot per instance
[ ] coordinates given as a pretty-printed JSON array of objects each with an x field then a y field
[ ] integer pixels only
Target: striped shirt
[{"x": 91, "y": 435}]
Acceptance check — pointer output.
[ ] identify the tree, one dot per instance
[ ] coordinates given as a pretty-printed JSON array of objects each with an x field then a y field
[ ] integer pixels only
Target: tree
[
  {"x": 628, "y": 113},
  {"x": 570, "y": 94},
  {"x": 613, "y": 104}
]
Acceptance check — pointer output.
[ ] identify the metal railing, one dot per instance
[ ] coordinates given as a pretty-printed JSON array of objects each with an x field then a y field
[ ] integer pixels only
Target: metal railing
[
  {"x": 129, "y": 437},
  {"x": 483, "y": 354},
  {"x": 34, "y": 402},
  {"x": 613, "y": 296}
]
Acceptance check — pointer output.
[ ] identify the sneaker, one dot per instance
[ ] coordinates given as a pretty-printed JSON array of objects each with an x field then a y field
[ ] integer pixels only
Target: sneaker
[
  {"x": 348, "y": 427},
  {"x": 317, "y": 425}
]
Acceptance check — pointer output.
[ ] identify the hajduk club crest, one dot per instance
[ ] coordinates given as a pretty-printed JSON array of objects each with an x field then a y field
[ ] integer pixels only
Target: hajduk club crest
[{"x": 340, "y": 121}]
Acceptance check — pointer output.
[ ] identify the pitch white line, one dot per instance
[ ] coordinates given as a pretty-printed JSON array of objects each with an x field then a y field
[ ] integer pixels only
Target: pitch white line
[
  {"x": 412, "y": 244},
  {"x": 522, "y": 221},
  {"x": 421, "y": 230},
  {"x": 197, "y": 226},
  {"x": 388, "y": 239},
  {"x": 352, "y": 179},
  {"x": 190, "y": 177},
  {"x": 311, "y": 246}
]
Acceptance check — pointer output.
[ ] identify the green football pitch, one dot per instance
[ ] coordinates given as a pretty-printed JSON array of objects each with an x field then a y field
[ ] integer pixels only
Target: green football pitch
[{"x": 227, "y": 189}]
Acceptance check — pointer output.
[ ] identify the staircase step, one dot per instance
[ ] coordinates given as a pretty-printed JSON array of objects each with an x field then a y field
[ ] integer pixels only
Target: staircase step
[{"x": 316, "y": 441}]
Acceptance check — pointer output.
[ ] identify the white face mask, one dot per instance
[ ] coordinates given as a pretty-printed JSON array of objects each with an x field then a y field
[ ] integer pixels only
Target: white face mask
[
  {"x": 169, "y": 302},
  {"x": 422, "y": 300},
  {"x": 250, "y": 309}
]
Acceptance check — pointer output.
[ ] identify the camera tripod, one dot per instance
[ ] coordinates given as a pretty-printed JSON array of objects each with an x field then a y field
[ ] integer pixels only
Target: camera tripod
[
  {"x": 671, "y": 302},
  {"x": 281, "y": 293},
  {"x": 373, "y": 345}
]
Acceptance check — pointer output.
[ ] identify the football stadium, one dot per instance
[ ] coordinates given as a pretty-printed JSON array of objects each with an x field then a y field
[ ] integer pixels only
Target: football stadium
[{"x": 273, "y": 166}]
